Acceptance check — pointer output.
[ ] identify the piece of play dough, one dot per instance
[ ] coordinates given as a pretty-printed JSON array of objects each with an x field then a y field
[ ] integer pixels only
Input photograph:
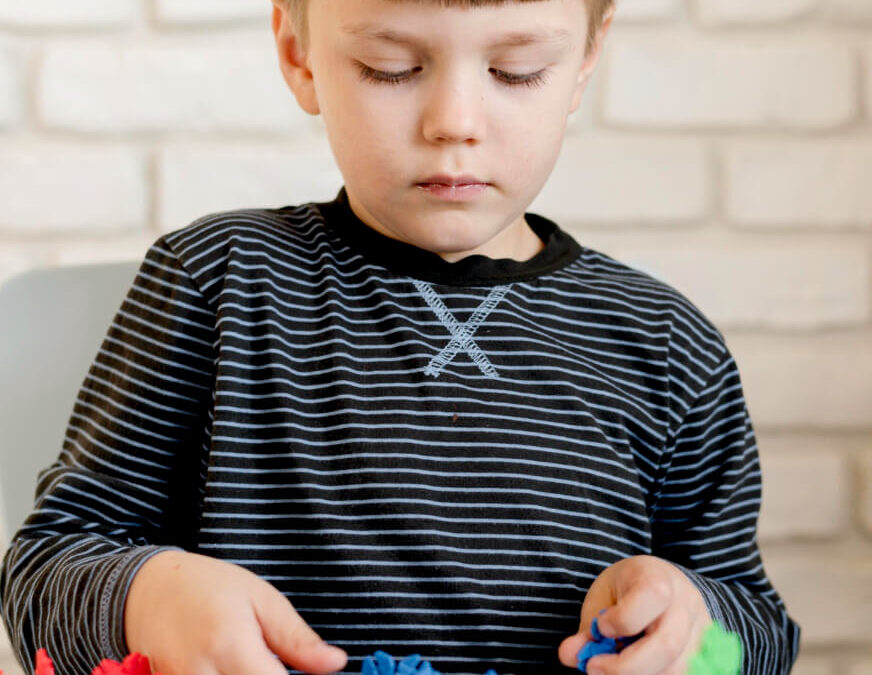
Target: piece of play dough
[
  {"x": 602, "y": 645},
  {"x": 719, "y": 652},
  {"x": 382, "y": 663}
]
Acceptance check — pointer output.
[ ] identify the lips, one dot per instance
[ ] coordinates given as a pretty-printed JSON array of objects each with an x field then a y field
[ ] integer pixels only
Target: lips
[{"x": 452, "y": 181}]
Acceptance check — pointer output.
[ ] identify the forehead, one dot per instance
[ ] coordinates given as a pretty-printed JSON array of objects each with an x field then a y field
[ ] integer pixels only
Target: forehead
[
  {"x": 374, "y": 30},
  {"x": 421, "y": 22}
]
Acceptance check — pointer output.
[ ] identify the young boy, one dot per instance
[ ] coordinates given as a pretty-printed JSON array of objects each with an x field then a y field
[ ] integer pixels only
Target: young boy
[{"x": 415, "y": 418}]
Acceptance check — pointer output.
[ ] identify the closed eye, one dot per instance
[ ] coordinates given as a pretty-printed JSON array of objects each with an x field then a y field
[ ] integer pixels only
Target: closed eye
[{"x": 536, "y": 79}]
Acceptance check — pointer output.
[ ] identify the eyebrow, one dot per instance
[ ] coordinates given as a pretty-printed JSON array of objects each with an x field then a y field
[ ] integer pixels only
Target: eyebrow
[{"x": 515, "y": 39}]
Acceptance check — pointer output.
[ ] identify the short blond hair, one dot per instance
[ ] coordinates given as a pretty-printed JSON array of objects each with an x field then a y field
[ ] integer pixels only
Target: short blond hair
[{"x": 597, "y": 10}]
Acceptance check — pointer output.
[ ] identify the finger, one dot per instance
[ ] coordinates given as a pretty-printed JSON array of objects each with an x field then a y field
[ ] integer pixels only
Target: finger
[
  {"x": 639, "y": 607},
  {"x": 569, "y": 648},
  {"x": 659, "y": 651},
  {"x": 252, "y": 657},
  {"x": 286, "y": 634}
]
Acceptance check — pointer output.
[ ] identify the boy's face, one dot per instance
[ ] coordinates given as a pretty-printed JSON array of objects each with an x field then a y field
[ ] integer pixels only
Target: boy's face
[{"x": 454, "y": 111}]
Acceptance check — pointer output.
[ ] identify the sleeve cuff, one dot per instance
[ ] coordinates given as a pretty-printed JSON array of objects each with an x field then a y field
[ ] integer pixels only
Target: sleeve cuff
[
  {"x": 712, "y": 604},
  {"x": 113, "y": 641}
]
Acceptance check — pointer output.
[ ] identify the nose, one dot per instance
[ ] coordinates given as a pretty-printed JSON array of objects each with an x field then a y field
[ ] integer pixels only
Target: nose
[{"x": 455, "y": 110}]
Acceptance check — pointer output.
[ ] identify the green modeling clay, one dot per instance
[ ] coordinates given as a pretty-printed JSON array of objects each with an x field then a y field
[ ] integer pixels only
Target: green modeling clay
[{"x": 719, "y": 653}]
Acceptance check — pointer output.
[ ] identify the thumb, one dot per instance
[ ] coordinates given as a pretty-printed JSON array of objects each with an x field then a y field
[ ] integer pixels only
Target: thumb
[
  {"x": 291, "y": 638},
  {"x": 570, "y": 647},
  {"x": 599, "y": 597}
]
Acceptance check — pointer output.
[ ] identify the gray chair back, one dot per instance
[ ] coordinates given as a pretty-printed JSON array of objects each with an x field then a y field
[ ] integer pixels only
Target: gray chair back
[{"x": 52, "y": 323}]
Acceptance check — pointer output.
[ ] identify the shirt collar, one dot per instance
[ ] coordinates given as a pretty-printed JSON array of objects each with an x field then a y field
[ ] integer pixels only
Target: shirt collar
[{"x": 405, "y": 259}]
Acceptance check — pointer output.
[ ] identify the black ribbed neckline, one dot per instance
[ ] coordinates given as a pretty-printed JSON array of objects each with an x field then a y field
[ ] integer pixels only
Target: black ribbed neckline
[{"x": 474, "y": 270}]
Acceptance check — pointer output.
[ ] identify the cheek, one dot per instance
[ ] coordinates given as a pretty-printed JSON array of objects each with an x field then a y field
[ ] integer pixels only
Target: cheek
[{"x": 534, "y": 137}]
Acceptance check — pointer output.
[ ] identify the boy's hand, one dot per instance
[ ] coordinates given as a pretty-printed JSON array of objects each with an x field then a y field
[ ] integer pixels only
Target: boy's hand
[
  {"x": 641, "y": 594},
  {"x": 195, "y": 615}
]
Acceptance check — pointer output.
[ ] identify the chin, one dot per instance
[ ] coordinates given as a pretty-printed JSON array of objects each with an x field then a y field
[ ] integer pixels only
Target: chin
[{"x": 451, "y": 242}]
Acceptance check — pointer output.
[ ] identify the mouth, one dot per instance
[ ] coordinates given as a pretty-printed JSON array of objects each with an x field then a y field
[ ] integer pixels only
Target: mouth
[
  {"x": 445, "y": 181},
  {"x": 457, "y": 192}
]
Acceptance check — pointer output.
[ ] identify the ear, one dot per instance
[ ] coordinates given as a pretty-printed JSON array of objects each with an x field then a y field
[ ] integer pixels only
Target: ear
[
  {"x": 590, "y": 61},
  {"x": 294, "y": 64}
]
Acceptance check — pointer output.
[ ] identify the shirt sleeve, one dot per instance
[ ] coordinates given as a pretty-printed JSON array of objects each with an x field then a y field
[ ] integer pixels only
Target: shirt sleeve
[
  {"x": 705, "y": 521},
  {"x": 123, "y": 485}
]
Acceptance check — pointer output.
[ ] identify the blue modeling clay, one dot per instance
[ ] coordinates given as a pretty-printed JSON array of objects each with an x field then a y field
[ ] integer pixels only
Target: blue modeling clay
[
  {"x": 602, "y": 645},
  {"x": 720, "y": 652},
  {"x": 382, "y": 663}
]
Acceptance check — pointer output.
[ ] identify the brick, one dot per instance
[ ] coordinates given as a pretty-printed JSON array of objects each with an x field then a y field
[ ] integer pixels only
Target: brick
[
  {"x": 687, "y": 81},
  {"x": 813, "y": 665},
  {"x": 71, "y": 187},
  {"x": 815, "y": 381},
  {"x": 797, "y": 184},
  {"x": 830, "y": 596},
  {"x": 865, "y": 501},
  {"x": 11, "y": 93},
  {"x": 583, "y": 121},
  {"x": 194, "y": 181},
  {"x": 210, "y": 11},
  {"x": 868, "y": 80},
  {"x": 65, "y": 14},
  {"x": 670, "y": 180},
  {"x": 848, "y": 10},
  {"x": 714, "y": 13},
  {"x": 644, "y": 10},
  {"x": 807, "y": 489},
  {"x": 173, "y": 85},
  {"x": 8, "y": 664},
  {"x": 863, "y": 667},
  {"x": 783, "y": 285}
]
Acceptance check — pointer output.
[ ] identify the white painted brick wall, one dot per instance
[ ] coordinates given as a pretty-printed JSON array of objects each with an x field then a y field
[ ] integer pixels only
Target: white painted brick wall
[
  {"x": 867, "y": 70},
  {"x": 725, "y": 146},
  {"x": 814, "y": 381},
  {"x": 807, "y": 487},
  {"x": 848, "y": 10},
  {"x": 210, "y": 11},
  {"x": 68, "y": 15},
  {"x": 797, "y": 184},
  {"x": 195, "y": 180},
  {"x": 860, "y": 668},
  {"x": 11, "y": 97},
  {"x": 645, "y": 10},
  {"x": 830, "y": 595},
  {"x": 727, "y": 12},
  {"x": 813, "y": 665},
  {"x": 102, "y": 188},
  {"x": 8, "y": 664},
  {"x": 865, "y": 501},
  {"x": 737, "y": 282},
  {"x": 686, "y": 81},
  {"x": 167, "y": 85},
  {"x": 670, "y": 181}
]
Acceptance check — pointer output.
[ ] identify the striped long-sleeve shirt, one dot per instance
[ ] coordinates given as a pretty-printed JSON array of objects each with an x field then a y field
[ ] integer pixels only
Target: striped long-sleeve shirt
[{"x": 423, "y": 456}]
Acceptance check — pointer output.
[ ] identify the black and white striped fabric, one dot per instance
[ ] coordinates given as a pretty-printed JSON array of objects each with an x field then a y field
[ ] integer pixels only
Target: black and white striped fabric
[{"x": 422, "y": 456}]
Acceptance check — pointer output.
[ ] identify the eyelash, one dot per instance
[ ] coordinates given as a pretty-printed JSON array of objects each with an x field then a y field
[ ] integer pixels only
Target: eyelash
[{"x": 536, "y": 79}]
